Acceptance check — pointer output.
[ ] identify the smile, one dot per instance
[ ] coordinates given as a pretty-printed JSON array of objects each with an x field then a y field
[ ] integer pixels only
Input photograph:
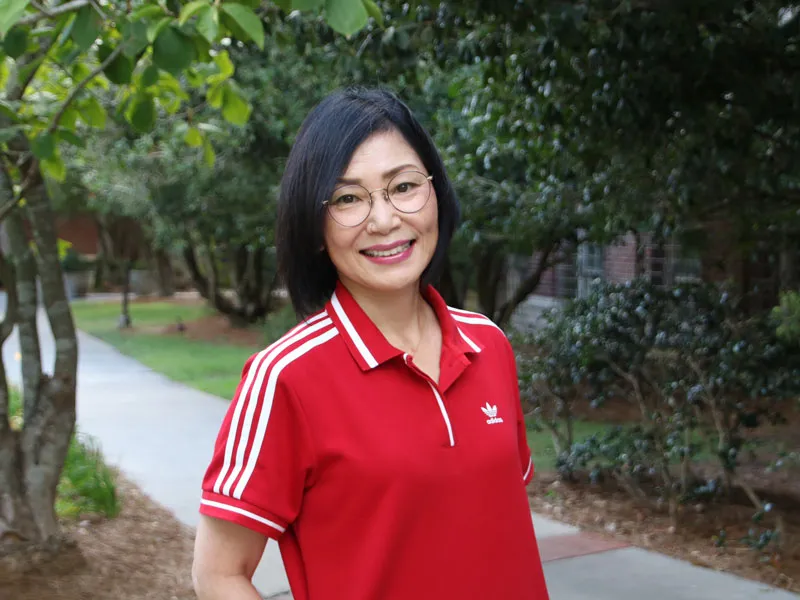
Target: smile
[{"x": 395, "y": 251}]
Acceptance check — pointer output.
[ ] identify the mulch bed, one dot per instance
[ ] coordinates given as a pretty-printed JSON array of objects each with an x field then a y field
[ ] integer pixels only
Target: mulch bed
[
  {"x": 613, "y": 512},
  {"x": 216, "y": 328},
  {"x": 143, "y": 554}
]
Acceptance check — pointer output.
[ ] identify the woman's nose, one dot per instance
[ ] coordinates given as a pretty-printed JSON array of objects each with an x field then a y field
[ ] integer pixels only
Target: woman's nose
[{"x": 383, "y": 214}]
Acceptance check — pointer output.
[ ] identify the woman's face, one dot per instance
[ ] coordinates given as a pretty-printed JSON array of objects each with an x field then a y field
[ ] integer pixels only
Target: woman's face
[{"x": 390, "y": 249}]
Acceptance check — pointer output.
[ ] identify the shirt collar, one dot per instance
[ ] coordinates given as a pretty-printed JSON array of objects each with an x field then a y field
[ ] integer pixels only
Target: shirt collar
[{"x": 368, "y": 345}]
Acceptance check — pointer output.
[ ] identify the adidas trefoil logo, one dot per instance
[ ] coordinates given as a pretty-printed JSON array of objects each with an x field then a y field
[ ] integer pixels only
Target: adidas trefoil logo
[{"x": 491, "y": 412}]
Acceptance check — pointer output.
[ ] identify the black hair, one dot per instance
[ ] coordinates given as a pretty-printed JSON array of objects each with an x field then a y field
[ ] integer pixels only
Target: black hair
[{"x": 322, "y": 151}]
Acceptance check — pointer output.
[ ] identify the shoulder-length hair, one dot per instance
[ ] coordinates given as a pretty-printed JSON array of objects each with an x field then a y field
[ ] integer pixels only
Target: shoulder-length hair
[{"x": 322, "y": 151}]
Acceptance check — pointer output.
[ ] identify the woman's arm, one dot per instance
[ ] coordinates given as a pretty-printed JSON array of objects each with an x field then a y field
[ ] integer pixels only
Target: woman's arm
[{"x": 225, "y": 557}]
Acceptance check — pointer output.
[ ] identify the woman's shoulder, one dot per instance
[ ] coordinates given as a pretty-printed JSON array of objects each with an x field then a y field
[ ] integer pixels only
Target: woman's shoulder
[
  {"x": 479, "y": 326},
  {"x": 297, "y": 347}
]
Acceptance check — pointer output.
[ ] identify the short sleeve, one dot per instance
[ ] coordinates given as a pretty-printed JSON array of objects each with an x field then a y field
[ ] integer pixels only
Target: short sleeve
[
  {"x": 525, "y": 457},
  {"x": 262, "y": 457}
]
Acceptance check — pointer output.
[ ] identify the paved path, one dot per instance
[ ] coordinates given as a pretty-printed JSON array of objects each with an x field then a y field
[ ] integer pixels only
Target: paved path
[{"x": 160, "y": 434}]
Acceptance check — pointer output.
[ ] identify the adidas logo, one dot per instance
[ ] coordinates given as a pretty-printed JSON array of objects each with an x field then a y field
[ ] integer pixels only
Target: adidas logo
[{"x": 491, "y": 412}]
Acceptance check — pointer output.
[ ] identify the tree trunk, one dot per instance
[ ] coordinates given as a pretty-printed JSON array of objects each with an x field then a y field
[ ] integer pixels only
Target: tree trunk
[
  {"x": 166, "y": 276},
  {"x": 787, "y": 265},
  {"x": 527, "y": 286},
  {"x": 28, "y": 301},
  {"x": 448, "y": 288},
  {"x": 639, "y": 264},
  {"x": 31, "y": 460},
  {"x": 125, "y": 320},
  {"x": 254, "y": 292},
  {"x": 491, "y": 270}
]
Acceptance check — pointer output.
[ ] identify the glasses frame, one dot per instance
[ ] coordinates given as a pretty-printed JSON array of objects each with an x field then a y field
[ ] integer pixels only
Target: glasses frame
[{"x": 386, "y": 196}]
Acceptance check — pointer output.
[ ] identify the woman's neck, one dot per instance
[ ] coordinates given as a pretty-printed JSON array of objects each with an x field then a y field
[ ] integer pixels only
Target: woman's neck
[{"x": 400, "y": 315}]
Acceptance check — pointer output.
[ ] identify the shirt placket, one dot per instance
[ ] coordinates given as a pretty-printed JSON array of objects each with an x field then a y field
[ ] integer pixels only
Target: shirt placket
[{"x": 438, "y": 396}]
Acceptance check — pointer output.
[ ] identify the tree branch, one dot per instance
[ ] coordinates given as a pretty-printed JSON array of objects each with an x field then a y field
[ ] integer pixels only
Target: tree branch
[
  {"x": 10, "y": 283},
  {"x": 529, "y": 284},
  {"x": 6, "y": 209},
  {"x": 53, "y": 12},
  {"x": 84, "y": 82}
]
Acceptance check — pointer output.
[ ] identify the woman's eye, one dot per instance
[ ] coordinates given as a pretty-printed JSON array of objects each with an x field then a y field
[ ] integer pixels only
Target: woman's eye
[
  {"x": 404, "y": 188},
  {"x": 347, "y": 199}
]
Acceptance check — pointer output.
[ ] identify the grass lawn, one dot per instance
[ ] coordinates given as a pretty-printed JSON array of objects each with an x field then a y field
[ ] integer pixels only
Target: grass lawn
[{"x": 208, "y": 366}]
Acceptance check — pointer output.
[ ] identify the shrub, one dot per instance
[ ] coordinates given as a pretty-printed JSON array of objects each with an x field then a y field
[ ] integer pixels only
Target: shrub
[
  {"x": 787, "y": 318},
  {"x": 698, "y": 370}
]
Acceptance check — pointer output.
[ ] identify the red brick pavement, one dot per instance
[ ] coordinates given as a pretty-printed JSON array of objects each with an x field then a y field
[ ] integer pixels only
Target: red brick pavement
[{"x": 573, "y": 545}]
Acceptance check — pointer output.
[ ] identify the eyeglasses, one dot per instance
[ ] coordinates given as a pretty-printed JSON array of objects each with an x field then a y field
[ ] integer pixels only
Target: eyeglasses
[{"x": 408, "y": 192}]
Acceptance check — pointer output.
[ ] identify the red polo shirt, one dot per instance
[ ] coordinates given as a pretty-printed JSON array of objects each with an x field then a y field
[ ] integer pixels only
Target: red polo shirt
[{"x": 378, "y": 483}]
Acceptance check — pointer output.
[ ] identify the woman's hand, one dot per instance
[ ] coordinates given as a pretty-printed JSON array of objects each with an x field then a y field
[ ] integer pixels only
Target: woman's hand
[{"x": 225, "y": 557}]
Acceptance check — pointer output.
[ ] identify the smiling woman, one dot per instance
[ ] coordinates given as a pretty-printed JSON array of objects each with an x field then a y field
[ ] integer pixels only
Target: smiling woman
[{"x": 381, "y": 442}]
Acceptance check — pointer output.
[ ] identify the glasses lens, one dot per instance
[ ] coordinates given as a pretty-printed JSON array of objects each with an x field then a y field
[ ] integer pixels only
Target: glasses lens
[
  {"x": 409, "y": 191},
  {"x": 350, "y": 205}
]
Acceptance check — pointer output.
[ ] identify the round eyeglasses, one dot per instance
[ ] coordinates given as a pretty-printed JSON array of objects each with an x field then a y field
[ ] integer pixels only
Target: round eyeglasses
[{"x": 408, "y": 192}]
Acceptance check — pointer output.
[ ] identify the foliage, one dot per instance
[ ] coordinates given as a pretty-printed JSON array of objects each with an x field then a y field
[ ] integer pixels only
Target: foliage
[
  {"x": 87, "y": 484},
  {"x": 787, "y": 316},
  {"x": 73, "y": 262},
  {"x": 61, "y": 65},
  {"x": 700, "y": 374}
]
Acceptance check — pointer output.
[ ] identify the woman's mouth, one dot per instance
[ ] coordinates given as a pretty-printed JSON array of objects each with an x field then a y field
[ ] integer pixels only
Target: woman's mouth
[{"x": 395, "y": 250}]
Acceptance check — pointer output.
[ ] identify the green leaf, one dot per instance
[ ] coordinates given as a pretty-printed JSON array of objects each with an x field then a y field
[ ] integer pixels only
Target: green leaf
[
  {"x": 307, "y": 4},
  {"x": 147, "y": 11},
  {"x": 7, "y": 110},
  {"x": 93, "y": 113},
  {"x": 249, "y": 21},
  {"x": 284, "y": 5},
  {"x": 135, "y": 39},
  {"x": 16, "y": 42},
  {"x": 374, "y": 11},
  {"x": 142, "y": 113},
  {"x": 54, "y": 168},
  {"x": 120, "y": 70},
  {"x": 224, "y": 64},
  {"x": 208, "y": 23},
  {"x": 9, "y": 133},
  {"x": 202, "y": 49},
  {"x": 86, "y": 27},
  {"x": 235, "y": 109},
  {"x": 188, "y": 11},
  {"x": 173, "y": 51},
  {"x": 71, "y": 138},
  {"x": 31, "y": 67},
  {"x": 70, "y": 118},
  {"x": 208, "y": 153},
  {"x": 149, "y": 76},
  {"x": 44, "y": 146},
  {"x": 346, "y": 16},
  {"x": 215, "y": 95},
  {"x": 193, "y": 137},
  {"x": 154, "y": 29},
  {"x": 10, "y": 12}
]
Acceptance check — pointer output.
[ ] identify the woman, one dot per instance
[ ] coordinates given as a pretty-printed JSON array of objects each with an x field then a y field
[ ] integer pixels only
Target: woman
[{"x": 381, "y": 441}]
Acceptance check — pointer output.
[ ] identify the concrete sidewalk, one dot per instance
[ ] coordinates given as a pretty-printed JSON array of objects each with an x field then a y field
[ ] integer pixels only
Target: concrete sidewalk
[{"x": 160, "y": 433}]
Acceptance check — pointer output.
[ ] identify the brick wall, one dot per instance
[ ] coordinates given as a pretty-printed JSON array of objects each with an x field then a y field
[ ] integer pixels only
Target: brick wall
[
  {"x": 620, "y": 260},
  {"x": 80, "y": 231}
]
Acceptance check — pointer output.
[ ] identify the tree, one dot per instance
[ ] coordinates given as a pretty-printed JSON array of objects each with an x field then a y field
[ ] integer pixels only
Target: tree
[
  {"x": 595, "y": 119},
  {"x": 56, "y": 60}
]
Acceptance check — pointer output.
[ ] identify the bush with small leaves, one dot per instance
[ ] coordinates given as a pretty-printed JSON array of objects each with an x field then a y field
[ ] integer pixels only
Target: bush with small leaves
[{"x": 699, "y": 371}]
